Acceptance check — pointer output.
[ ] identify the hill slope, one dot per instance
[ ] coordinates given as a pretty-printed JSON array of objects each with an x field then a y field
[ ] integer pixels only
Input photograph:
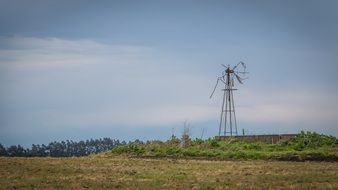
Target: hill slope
[{"x": 305, "y": 146}]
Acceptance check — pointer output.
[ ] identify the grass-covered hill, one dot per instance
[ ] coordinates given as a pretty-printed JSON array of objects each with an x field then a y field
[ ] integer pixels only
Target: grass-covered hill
[{"x": 305, "y": 146}]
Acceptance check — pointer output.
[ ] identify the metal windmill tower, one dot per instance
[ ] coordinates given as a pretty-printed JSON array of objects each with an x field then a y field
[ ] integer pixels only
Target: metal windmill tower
[{"x": 228, "y": 121}]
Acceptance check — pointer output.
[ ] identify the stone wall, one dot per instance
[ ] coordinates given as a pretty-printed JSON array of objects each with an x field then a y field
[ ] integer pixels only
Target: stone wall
[{"x": 261, "y": 138}]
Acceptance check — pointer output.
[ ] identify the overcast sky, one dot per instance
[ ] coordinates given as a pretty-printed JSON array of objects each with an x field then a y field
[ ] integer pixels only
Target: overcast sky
[{"x": 139, "y": 69}]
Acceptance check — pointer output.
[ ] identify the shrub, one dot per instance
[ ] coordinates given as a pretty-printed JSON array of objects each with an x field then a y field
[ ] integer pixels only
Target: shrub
[
  {"x": 134, "y": 149},
  {"x": 173, "y": 151},
  {"x": 198, "y": 141},
  {"x": 252, "y": 146},
  {"x": 156, "y": 150},
  {"x": 311, "y": 140},
  {"x": 213, "y": 143},
  {"x": 191, "y": 152}
]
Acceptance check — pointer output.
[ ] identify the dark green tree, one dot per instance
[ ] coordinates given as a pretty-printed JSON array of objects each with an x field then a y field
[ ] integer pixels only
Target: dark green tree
[{"x": 3, "y": 151}]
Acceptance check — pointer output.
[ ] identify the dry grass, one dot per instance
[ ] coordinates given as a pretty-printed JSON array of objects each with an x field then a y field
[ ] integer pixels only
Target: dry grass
[{"x": 125, "y": 173}]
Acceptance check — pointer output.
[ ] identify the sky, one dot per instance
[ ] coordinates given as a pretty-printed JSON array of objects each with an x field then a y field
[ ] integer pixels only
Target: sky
[{"x": 139, "y": 69}]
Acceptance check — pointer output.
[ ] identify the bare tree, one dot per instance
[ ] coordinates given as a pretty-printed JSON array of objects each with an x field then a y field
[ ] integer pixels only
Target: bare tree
[{"x": 185, "y": 139}]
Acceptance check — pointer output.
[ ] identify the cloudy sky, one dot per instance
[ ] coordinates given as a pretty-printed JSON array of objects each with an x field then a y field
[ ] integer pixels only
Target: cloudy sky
[{"x": 139, "y": 69}]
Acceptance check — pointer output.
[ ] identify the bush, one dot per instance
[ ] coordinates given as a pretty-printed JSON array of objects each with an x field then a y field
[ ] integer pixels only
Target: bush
[
  {"x": 173, "y": 151},
  {"x": 252, "y": 146},
  {"x": 213, "y": 143},
  {"x": 157, "y": 151},
  {"x": 311, "y": 140},
  {"x": 191, "y": 152},
  {"x": 198, "y": 141},
  {"x": 134, "y": 149}
]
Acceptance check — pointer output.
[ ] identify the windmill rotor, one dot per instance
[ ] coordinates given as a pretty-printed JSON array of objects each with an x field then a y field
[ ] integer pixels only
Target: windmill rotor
[
  {"x": 243, "y": 64},
  {"x": 236, "y": 66},
  {"x": 218, "y": 79},
  {"x": 224, "y": 66},
  {"x": 239, "y": 79},
  {"x": 241, "y": 72}
]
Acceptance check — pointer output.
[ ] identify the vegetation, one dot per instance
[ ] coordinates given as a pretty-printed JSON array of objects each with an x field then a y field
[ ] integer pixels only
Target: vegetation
[
  {"x": 305, "y": 146},
  {"x": 127, "y": 166},
  {"x": 99, "y": 172},
  {"x": 62, "y": 149}
]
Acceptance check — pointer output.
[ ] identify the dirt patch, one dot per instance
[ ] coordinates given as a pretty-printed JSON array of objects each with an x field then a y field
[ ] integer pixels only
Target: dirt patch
[{"x": 297, "y": 158}]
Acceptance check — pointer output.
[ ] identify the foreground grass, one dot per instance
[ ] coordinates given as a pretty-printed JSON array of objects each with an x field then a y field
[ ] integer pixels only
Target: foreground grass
[{"x": 99, "y": 172}]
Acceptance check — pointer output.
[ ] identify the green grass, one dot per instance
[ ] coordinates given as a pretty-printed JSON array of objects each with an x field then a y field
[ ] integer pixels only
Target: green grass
[
  {"x": 117, "y": 172},
  {"x": 305, "y": 146}
]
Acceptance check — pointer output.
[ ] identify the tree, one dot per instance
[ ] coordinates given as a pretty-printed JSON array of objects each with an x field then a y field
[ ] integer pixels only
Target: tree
[
  {"x": 16, "y": 151},
  {"x": 3, "y": 151},
  {"x": 63, "y": 148}
]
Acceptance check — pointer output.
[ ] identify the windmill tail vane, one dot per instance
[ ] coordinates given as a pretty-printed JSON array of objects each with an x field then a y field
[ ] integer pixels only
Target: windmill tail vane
[{"x": 228, "y": 123}]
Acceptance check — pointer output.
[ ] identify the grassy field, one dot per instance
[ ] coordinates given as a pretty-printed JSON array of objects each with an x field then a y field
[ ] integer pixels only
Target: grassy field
[{"x": 101, "y": 172}]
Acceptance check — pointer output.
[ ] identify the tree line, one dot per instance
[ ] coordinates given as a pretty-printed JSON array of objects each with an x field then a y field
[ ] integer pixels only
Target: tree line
[{"x": 62, "y": 149}]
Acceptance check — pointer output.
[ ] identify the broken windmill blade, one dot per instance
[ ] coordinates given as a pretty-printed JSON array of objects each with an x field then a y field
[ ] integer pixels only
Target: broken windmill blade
[{"x": 228, "y": 123}]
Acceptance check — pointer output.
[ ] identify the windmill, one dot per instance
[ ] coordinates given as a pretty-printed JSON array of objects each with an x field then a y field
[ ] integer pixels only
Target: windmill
[{"x": 230, "y": 74}]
